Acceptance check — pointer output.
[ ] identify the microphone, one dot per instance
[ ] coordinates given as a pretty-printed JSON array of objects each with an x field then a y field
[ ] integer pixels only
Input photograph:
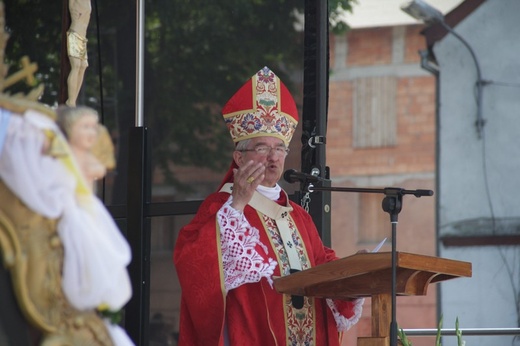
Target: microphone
[
  {"x": 293, "y": 176},
  {"x": 296, "y": 301}
]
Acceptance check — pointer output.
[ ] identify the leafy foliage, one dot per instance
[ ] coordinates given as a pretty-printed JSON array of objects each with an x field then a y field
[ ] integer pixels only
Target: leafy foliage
[
  {"x": 403, "y": 339},
  {"x": 439, "y": 332},
  {"x": 36, "y": 33}
]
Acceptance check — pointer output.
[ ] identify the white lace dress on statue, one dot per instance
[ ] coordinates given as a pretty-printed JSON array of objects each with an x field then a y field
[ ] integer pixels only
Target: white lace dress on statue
[{"x": 95, "y": 252}]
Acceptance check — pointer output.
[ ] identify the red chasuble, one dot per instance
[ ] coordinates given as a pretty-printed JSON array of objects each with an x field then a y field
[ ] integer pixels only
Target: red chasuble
[{"x": 252, "y": 313}]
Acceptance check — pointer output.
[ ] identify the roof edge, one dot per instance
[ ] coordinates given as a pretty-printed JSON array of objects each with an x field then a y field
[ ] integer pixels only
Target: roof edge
[{"x": 436, "y": 32}]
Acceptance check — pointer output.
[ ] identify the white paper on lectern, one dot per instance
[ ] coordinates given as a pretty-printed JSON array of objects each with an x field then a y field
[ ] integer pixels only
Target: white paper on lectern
[{"x": 378, "y": 247}]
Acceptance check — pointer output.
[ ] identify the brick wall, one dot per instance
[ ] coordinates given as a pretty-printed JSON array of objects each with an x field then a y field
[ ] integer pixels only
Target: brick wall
[{"x": 414, "y": 107}]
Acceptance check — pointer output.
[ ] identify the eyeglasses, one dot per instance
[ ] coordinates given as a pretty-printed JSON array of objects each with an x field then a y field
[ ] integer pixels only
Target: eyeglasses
[{"x": 265, "y": 150}]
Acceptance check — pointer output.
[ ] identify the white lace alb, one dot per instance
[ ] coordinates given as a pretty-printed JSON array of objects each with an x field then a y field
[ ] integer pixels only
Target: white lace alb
[{"x": 244, "y": 256}]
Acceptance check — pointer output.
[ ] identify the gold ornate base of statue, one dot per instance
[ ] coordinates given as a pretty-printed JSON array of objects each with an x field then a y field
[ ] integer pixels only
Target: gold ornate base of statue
[{"x": 32, "y": 252}]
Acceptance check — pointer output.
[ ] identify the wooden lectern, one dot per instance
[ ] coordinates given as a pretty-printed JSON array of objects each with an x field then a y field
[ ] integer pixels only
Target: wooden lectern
[{"x": 370, "y": 275}]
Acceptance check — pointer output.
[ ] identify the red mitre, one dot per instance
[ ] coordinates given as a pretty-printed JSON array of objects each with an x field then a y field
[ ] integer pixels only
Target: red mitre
[{"x": 263, "y": 106}]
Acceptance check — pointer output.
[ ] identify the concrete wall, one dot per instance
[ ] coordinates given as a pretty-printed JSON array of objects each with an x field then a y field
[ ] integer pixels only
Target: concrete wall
[{"x": 479, "y": 176}]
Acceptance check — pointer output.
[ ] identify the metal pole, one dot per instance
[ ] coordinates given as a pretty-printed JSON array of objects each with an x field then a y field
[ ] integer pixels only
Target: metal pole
[
  {"x": 321, "y": 81},
  {"x": 138, "y": 226},
  {"x": 314, "y": 115},
  {"x": 139, "y": 118}
]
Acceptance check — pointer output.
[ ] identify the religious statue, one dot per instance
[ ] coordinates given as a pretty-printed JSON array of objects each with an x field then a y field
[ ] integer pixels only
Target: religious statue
[
  {"x": 83, "y": 131},
  {"x": 64, "y": 258},
  {"x": 77, "y": 47}
]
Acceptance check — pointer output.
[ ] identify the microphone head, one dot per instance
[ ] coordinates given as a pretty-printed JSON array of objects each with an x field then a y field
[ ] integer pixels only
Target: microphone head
[{"x": 289, "y": 176}]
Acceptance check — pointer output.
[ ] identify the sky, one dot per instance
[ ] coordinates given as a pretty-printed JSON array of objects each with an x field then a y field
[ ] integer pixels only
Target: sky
[{"x": 374, "y": 13}]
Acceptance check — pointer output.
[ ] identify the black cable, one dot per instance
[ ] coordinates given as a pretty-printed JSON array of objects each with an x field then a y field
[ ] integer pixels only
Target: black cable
[
  {"x": 100, "y": 76},
  {"x": 504, "y": 84},
  {"x": 100, "y": 69},
  {"x": 480, "y": 122}
]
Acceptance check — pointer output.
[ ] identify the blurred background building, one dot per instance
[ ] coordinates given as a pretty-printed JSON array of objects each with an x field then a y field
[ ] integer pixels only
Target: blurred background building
[{"x": 420, "y": 105}]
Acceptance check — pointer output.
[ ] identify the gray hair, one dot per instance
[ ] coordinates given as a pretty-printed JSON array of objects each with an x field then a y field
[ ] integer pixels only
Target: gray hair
[{"x": 242, "y": 145}]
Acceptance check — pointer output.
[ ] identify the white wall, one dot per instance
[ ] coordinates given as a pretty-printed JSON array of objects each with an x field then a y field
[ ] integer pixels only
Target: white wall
[{"x": 470, "y": 166}]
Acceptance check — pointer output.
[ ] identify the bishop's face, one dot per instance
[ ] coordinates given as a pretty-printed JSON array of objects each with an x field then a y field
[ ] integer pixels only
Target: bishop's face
[{"x": 271, "y": 152}]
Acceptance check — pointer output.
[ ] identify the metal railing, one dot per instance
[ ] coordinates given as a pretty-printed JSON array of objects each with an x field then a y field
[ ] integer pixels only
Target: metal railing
[{"x": 465, "y": 331}]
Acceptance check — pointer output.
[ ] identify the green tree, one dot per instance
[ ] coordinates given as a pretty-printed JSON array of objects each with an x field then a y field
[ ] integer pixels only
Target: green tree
[
  {"x": 34, "y": 29},
  {"x": 200, "y": 52}
]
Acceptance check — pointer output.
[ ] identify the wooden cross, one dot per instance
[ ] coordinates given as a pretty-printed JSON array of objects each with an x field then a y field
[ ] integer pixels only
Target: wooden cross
[{"x": 27, "y": 72}]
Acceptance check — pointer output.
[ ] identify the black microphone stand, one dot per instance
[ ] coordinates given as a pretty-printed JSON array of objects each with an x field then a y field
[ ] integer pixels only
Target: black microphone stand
[{"x": 392, "y": 204}]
